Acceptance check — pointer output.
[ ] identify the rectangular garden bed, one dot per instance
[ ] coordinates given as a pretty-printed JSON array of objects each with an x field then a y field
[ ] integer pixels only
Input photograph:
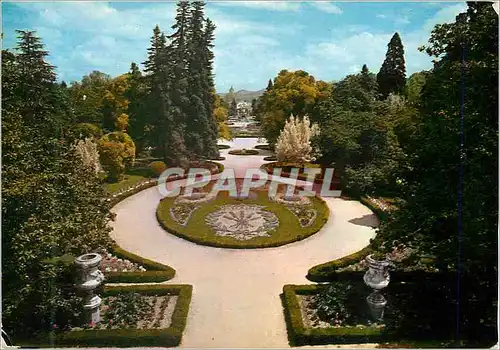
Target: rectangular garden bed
[
  {"x": 161, "y": 327},
  {"x": 420, "y": 307}
]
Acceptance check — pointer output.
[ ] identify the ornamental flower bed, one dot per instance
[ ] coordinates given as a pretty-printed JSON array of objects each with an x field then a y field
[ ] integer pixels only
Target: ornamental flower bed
[
  {"x": 182, "y": 212},
  {"x": 111, "y": 263}
]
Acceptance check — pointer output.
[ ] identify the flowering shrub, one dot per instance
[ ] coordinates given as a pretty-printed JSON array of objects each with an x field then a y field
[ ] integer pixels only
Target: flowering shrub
[
  {"x": 332, "y": 304},
  {"x": 110, "y": 263},
  {"x": 294, "y": 142},
  {"x": 126, "y": 310},
  {"x": 87, "y": 152}
]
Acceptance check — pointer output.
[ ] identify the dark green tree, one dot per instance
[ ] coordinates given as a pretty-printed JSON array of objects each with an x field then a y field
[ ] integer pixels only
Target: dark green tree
[
  {"x": 139, "y": 124},
  {"x": 269, "y": 85},
  {"x": 451, "y": 203},
  {"x": 51, "y": 204},
  {"x": 233, "y": 110},
  {"x": 392, "y": 75}
]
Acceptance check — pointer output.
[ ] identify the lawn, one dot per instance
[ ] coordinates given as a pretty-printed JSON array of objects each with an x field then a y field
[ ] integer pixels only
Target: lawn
[{"x": 131, "y": 178}]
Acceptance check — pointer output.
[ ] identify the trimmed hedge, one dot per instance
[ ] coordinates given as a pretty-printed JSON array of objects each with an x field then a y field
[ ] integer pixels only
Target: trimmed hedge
[
  {"x": 299, "y": 334},
  {"x": 270, "y": 158},
  {"x": 269, "y": 168},
  {"x": 163, "y": 217},
  {"x": 244, "y": 152},
  {"x": 167, "y": 337},
  {"x": 326, "y": 272},
  {"x": 263, "y": 147},
  {"x": 223, "y": 146},
  {"x": 382, "y": 215},
  {"x": 156, "y": 272}
]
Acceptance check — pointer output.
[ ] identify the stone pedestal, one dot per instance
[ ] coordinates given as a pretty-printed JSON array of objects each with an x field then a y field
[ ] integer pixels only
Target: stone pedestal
[
  {"x": 90, "y": 277},
  {"x": 377, "y": 277}
]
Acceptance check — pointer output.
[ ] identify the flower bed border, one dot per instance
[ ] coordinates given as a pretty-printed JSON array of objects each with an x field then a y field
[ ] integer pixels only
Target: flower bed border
[
  {"x": 248, "y": 152},
  {"x": 155, "y": 272},
  {"x": 217, "y": 244},
  {"x": 299, "y": 334},
  {"x": 130, "y": 337}
]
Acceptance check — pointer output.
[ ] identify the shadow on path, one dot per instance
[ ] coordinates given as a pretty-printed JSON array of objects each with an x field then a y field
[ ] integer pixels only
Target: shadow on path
[{"x": 369, "y": 220}]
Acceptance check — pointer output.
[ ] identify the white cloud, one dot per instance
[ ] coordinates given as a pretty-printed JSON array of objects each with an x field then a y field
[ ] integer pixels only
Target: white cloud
[
  {"x": 380, "y": 15},
  {"x": 263, "y": 5},
  {"x": 327, "y": 7}
]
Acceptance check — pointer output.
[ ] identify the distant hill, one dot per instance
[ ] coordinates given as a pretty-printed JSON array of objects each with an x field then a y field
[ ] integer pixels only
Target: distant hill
[{"x": 245, "y": 95}]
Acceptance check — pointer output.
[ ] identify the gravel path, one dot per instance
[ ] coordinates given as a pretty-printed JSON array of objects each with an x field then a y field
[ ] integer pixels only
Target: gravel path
[{"x": 236, "y": 292}]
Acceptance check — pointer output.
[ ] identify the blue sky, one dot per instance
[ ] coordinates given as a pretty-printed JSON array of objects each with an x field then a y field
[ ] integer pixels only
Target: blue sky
[{"x": 254, "y": 40}]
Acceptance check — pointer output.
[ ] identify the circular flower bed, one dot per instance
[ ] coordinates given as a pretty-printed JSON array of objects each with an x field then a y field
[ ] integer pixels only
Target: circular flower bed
[
  {"x": 223, "y": 146},
  {"x": 244, "y": 152},
  {"x": 252, "y": 222},
  {"x": 291, "y": 200}
]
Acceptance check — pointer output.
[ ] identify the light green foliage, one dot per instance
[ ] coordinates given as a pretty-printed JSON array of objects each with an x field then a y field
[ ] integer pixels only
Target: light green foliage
[{"x": 117, "y": 153}]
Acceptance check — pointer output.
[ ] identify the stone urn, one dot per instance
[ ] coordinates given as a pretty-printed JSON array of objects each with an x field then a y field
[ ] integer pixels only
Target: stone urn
[
  {"x": 377, "y": 277},
  {"x": 89, "y": 278}
]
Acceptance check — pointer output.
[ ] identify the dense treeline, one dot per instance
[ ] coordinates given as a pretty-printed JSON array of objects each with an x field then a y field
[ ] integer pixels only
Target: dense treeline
[
  {"x": 53, "y": 203},
  {"x": 431, "y": 141}
]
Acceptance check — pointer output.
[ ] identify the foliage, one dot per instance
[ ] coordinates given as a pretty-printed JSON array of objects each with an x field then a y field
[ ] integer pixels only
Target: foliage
[
  {"x": 294, "y": 142},
  {"x": 414, "y": 86},
  {"x": 87, "y": 130},
  {"x": 158, "y": 167},
  {"x": 294, "y": 93},
  {"x": 467, "y": 220},
  {"x": 392, "y": 75},
  {"x": 115, "y": 105},
  {"x": 126, "y": 310},
  {"x": 332, "y": 304},
  {"x": 117, "y": 153},
  {"x": 220, "y": 113},
  {"x": 244, "y": 152},
  {"x": 87, "y": 152},
  {"x": 86, "y": 97},
  {"x": 51, "y": 204}
]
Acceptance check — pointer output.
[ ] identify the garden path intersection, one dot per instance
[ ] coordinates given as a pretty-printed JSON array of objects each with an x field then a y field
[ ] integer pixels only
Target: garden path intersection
[{"x": 236, "y": 301}]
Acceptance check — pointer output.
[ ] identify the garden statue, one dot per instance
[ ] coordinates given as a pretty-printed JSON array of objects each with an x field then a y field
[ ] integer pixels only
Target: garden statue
[
  {"x": 90, "y": 277},
  {"x": 377, "y": 277}
]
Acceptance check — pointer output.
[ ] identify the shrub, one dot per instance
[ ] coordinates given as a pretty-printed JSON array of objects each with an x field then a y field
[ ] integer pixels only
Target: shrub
[
  {"x": 117, "y": 151},
  {"x": 86, "y": 130},
  {"x": 158, "y": 167},
  {"x": 294, "y": 142},
  {"x": 87, "y": 152}
]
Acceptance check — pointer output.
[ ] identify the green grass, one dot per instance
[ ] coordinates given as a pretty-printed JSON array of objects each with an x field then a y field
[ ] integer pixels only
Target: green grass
[
  {"x": 197, "y": 231},
  {"x": 131, "y": 178}
]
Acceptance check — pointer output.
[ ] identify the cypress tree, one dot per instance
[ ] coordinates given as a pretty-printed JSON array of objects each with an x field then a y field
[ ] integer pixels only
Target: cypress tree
[
  {"x": 269, "y": 85},
  {"x": 392, "y": 75}
]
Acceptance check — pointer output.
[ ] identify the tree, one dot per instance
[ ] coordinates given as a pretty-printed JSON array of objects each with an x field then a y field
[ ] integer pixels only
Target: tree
[
  {"x": 87, "y": 97},
  {"x": 115, "y": 105},
  {"x": 233, "y": 108},
  {"x": 295, "y": 93},
  {"x": 220, "y": 115},
  {"x": 414, "y": 86},
  {"x": 51, "y": 204},
  {"x": 117, "y": 154},
  {"x": 294, "y": 143},
  {"x": 392, "y": 74},
  {"x": 139, "y": 123},
  {"x": 269, "y": 85},
  {"x": 450, "y": 208}
]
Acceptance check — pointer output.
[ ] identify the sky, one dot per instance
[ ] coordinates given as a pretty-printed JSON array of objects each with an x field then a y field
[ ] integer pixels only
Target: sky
[{"x": 254, "y": 39}]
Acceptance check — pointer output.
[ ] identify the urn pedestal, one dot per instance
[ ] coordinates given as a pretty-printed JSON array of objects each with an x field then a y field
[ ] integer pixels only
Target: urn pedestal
[
  {"x": 377, "y": 277},
  {"x": 90, "y": 277}
]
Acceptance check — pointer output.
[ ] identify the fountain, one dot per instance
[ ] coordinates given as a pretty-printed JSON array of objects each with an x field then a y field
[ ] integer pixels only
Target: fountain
[
  {"x": 90, "y": 277},
  {"x": 377, "y": 277}
]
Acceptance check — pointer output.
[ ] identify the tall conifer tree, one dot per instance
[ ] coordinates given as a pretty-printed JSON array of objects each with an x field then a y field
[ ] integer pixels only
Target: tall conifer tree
[{"x": 392, "y": 75}]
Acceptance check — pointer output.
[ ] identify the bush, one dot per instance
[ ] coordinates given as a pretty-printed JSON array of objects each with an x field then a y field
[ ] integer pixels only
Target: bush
[
  {"x": 86, "y": 130},
  {"x": 158, "y": 167},
  {"x": 325, "y": 272},
  {"x": 117, "y": 153}
]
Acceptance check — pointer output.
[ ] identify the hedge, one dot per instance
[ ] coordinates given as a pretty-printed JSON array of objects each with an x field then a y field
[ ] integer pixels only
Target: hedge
[
  {"x": 299, "y": 334},
  {"x": 167, "y": 337},
  {"x": 270, "y": 158},
  {"x": 223, "y": 146},
  {"x": 244, "y": 152},
  {"x": 263, "y": 147},
  {"x": 156, "y": 272},
  {"x": 325, "y": 272},
  {"x": 115, "y": 199},
  {"x": 166, "y": 224},
  {"x": 381, "y": 214},
  {"x": 269, "y": 168}
]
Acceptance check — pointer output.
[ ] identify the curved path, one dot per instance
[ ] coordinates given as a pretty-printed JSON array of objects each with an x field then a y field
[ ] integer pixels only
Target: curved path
[{"x": 236, "y": 292}]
